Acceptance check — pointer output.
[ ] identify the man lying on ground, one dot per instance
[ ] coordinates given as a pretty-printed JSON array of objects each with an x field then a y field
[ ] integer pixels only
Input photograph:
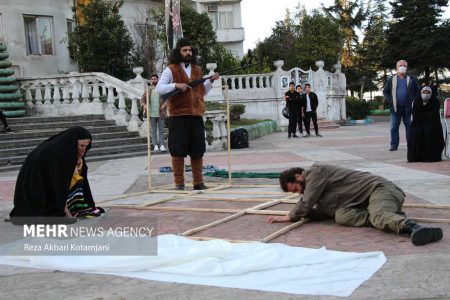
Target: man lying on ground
[{"x": 352, "y": 198}]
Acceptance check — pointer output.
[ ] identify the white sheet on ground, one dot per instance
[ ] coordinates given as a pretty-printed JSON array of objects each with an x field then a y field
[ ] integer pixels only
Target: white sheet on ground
[{"x": 256, "y": 266}]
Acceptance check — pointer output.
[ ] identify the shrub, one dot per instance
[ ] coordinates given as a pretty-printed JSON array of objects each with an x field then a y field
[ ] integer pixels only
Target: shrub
[
  {"x": 236, "y": 110},
  {"x": 357, "y": 109}
]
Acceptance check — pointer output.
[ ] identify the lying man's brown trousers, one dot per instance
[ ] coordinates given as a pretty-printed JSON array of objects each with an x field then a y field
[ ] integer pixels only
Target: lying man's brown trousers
[{"x": 382, "y": 210}]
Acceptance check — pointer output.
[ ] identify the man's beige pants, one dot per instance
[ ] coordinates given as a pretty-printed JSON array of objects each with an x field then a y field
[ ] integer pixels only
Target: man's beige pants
[{"x": 381, "y": 211}]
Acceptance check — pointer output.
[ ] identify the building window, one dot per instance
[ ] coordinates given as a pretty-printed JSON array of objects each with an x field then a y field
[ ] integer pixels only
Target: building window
[
  {"x": 70, "y": 26},
  {"x": 226, "y": 19},
  {"x": 39, "y": 35},
  {"x": 221, "y": 16}
]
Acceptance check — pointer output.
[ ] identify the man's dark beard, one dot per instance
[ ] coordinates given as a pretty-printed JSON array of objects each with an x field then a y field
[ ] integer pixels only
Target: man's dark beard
[{"x": 187, "y": 59}]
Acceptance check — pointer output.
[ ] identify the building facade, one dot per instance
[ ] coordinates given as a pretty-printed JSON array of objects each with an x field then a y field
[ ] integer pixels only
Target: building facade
[
  {"x": 36, "y": 32},
  {"x": 226, "y": 19},
  {"x": 36, "y": 35}
]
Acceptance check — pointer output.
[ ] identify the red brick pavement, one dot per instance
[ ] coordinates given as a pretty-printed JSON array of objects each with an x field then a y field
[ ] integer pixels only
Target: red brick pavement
[
  {"x": 312, "y": 235},
  {"x": 442, "y": 167},
  {"x": 7, "y": 190}
]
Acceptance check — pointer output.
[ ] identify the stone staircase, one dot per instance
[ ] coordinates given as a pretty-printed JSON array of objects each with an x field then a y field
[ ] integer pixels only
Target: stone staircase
[{"x": 109, "y": 141}]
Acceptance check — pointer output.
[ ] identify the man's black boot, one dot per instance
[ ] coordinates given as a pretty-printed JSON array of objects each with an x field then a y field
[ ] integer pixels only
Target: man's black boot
[{"x": 421, "y": 235}]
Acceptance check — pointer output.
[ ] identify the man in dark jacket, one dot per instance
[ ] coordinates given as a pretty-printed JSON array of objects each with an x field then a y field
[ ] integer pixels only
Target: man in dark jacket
[
  {"x": 400, "y": 91},
  {"x": 293, "y": 102},
  {"x": 352, "y": 198},
  {"x": 309, "y": 108}
]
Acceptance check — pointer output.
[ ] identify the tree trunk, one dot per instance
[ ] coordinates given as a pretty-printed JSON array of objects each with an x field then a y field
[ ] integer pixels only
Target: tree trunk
[
  {"x": 362, "y": 91},
  {"x": 436, "y": 74},
  {"x": 427, "y": 75}
]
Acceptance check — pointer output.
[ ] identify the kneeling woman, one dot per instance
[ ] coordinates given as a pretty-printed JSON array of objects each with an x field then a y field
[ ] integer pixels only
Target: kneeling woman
[{"x": 53, "y": 179}]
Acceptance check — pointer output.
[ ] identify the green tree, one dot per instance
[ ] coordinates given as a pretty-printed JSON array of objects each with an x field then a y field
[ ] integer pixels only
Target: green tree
[
  {"x": 100, "y": 41},
  {"x": 416, "y": 35},
  {"x": 253, "y": 57},
  {"x": 280, "y": 44},
  {"x": 318, "y": 38},
  {"x": 197, "y": 27},
  {"x": 350, "y": 16},
  {"x": 364, "y": 75},
  {"x": 302, "y": 41}
]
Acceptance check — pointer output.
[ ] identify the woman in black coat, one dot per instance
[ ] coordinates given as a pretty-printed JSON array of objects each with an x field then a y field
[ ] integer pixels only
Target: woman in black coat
[
  {"x": 426, "y": 140},
  {"x": 53, "y": 179}
]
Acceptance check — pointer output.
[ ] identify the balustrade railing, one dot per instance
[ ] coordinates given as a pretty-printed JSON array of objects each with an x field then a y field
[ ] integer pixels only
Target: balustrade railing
[
  {"x": 91, "y": 92},
  {"x": 248, "y": 81},
  {"x": 217, "y": 138},
  {"x": 99, "y": 93}
]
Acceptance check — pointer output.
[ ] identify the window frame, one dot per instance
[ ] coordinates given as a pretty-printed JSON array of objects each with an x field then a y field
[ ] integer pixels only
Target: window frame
[{"x": 52, "y": 34}]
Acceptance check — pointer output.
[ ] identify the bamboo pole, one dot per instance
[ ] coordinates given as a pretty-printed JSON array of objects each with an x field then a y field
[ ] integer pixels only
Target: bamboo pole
[
  {"x": 158, "y": 201},
  {"x": 123, "y": 196},
  {"x": 283, "y": 230},
  {"x": 411, "y": 205},
  {"x": 149, "y": 150},
  {"x": 209, "y": 225},
  {"x": 244, "y": 193},
  {"x": 227, "y": 96},
  {"x": 430, "y": 220},
  {"x": 193, "y": 209},
  {"x": 257, "y": 186},
  {"x": 267, "y": 212},
  {"x": 289, "y": 201},
  {"x": 202, "y": 238},
  {"x": 234, "y": 216},
  {"x": 202, "y": 198}
]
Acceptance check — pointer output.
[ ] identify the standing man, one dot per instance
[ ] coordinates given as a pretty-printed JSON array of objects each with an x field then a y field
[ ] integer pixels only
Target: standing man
[
  {"x": 157, "y": 114},
  {"x": 309, "y": 107},
  {"x": 6, "y": 128},
  {"x": 293, "y": 101},
  {"x": 352, "y": 198},
  {"x": 299, "y": 90},
  {"x": 400, "y": 91},
  {"x": 186, "y": 127}
]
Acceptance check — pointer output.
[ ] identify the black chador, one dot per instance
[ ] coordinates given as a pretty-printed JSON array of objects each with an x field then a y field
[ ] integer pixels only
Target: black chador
[
  {"x": 426, "y": 141},
  {"x": 43, "y": 183}
]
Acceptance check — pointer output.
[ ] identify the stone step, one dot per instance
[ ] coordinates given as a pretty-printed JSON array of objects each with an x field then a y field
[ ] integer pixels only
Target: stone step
[
  {"x": 109, "y": 139},
  {"x": 121, "y": 149},
  {"x": 33, "y": 120},
  {"x": 100, "y": 144},
  {"x": 61, "y": 125},
  {"x": 49, "y": 132},
  {"x": 5, "y": 168}
]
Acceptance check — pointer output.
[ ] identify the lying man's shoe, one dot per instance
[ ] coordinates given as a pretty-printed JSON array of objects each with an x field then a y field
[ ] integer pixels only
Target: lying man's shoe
[
  {"x": 200, "y": 186},
  {"x": 421, "y": 235}
]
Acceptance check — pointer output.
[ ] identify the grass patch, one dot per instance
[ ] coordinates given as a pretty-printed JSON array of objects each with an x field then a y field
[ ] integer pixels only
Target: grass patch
[{"x": 378, "y": 112}]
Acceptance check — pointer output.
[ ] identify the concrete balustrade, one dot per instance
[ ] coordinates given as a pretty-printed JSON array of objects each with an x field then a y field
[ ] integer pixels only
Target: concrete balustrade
[{"x": 262, "y": 94}]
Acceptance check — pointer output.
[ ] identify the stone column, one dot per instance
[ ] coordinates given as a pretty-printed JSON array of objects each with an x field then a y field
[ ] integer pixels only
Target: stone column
[
  {"x": 215, "y": 94},
  {"x": 320, "y": 88},
  {"x": 281, "y": 103}
]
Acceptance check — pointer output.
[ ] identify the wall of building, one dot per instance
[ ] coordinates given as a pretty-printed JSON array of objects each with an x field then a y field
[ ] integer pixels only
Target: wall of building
[
  {"x": 13, "y": 12},
  {"x": 231, "y": 37}
]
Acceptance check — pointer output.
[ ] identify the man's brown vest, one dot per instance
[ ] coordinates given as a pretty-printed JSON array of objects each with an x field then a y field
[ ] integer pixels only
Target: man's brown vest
[{"x": 190, "y": 102}]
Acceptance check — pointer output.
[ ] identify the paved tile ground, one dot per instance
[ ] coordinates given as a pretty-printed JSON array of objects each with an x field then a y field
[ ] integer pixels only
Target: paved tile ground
[{"x": 410, "y": 272}]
